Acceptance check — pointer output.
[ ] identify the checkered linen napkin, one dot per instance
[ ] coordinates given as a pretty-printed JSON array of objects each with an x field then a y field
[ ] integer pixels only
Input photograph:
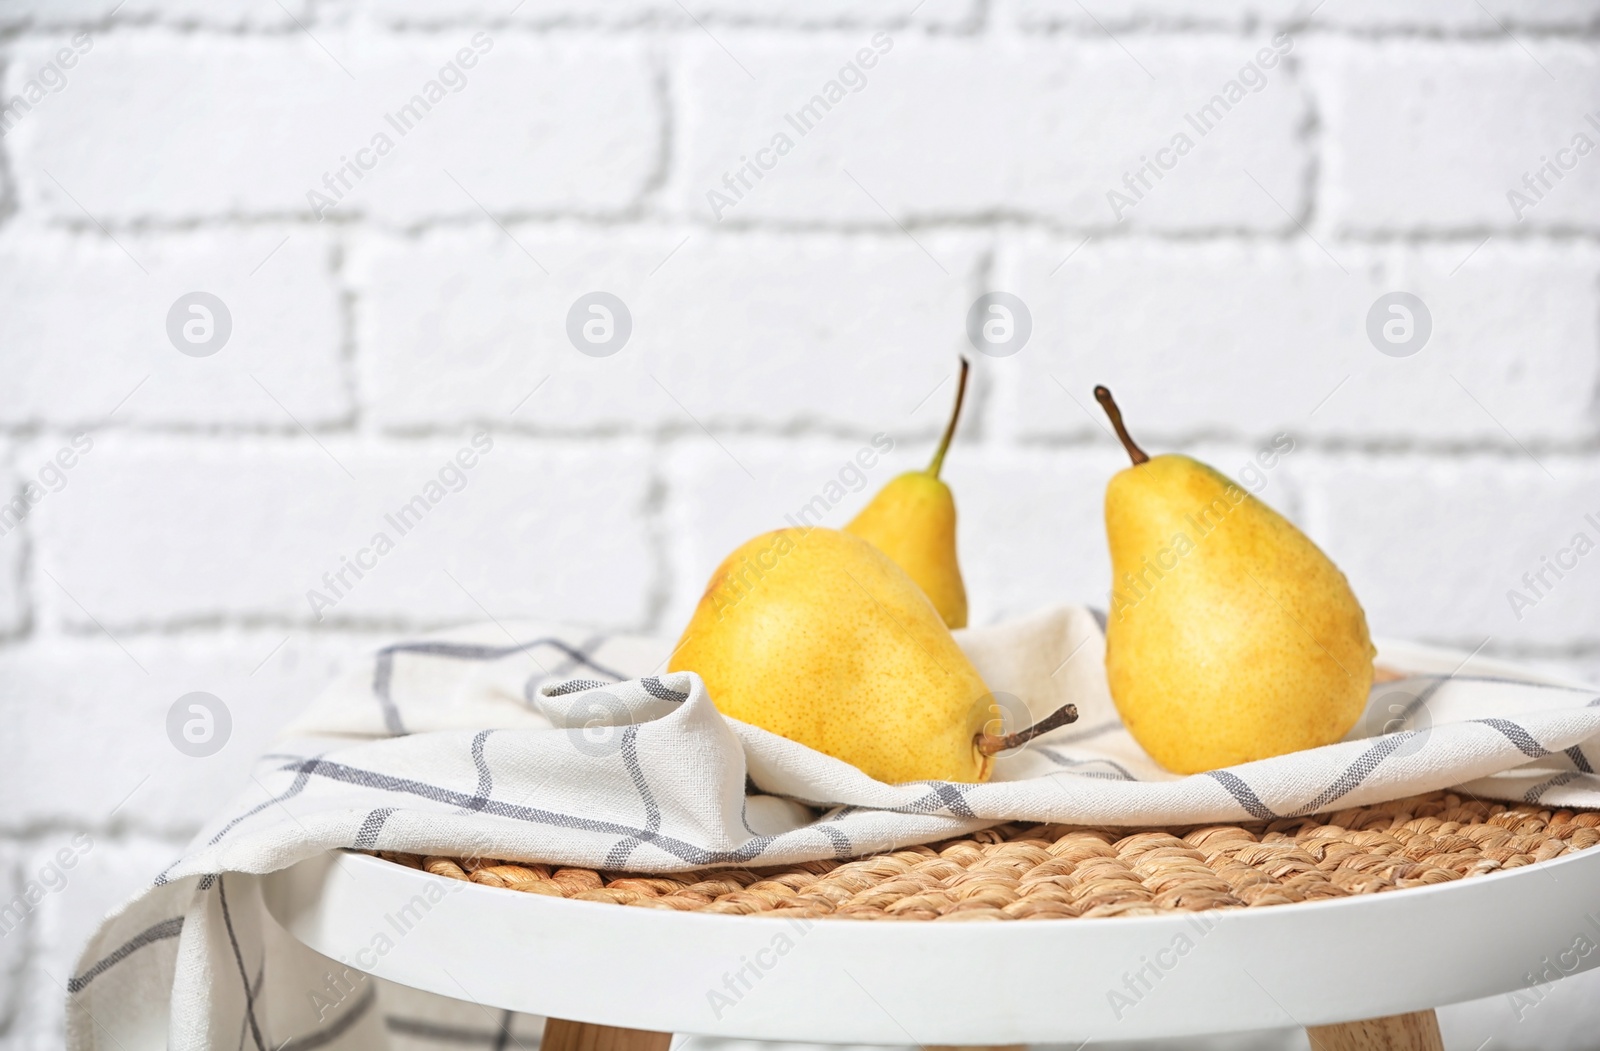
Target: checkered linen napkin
[{"x": 527, "y": 742}]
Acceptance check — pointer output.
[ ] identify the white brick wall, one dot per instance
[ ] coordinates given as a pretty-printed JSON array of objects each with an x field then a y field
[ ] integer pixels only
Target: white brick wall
[
  {"x": 741, "y": 330},
  {"x": 1475, "y": 528},
  {"x": 264, "y": 523},
  {"x": 140, "y": 140},
  {"x": 1426, "y": 136},
  {"x": 13, "y": 550},
  {"x": 962, "y": 129},
  {"x": 86, "y": 326},
  {"x": 173, "y": 148},
  {"x": 128, "y": 775},
  {"x": 1248, "y": 338}
]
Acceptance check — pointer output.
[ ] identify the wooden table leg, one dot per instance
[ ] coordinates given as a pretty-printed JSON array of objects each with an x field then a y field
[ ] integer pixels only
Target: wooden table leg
[
  {"x": 1418, "y": 1031},
  {"x": 562, "y": 1035}
]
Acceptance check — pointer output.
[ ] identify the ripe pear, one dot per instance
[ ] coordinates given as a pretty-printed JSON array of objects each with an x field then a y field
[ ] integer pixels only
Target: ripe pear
[
  {"x": 816, "y": 635},
  {"x": 913, "y": 521},
  {"x": 1231, "y": 637}
]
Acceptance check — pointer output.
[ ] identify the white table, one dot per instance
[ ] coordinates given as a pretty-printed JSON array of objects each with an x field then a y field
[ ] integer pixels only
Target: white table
[{"x": 624, "y": 979}]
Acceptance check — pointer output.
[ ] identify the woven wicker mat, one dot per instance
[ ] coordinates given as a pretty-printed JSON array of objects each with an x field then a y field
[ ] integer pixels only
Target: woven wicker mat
[{"x": 1030, "y": 871}]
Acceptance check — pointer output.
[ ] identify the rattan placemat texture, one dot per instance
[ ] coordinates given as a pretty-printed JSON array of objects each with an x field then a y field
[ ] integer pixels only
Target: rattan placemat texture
[{"x": 1025, "y": 871}]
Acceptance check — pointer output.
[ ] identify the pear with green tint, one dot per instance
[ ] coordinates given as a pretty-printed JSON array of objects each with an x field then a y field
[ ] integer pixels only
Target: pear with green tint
[
  {"x": 913, "y": 521},
  {"x": 1231, "y": 636}
]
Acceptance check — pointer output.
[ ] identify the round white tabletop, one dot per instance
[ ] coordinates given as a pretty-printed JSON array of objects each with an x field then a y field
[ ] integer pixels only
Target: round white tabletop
[{"x": 1040, "y": 981}]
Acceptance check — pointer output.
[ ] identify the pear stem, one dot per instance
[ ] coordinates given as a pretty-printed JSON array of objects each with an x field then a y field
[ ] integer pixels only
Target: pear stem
[
  {"x": 950, "y": 428},
  {"x": 992, "y": 744},
  {"x": 1107, "y": 402}
]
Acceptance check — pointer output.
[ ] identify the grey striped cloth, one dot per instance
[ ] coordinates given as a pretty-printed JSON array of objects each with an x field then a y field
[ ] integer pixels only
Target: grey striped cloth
[{"x": 538, "y": 743}]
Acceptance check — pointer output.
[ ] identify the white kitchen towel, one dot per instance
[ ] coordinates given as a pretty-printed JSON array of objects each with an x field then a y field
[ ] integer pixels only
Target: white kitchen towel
[{"x": 526, "y": 742}]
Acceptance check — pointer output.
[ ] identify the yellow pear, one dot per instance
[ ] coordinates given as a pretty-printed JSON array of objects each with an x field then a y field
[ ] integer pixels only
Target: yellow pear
[
  {"x": 817, "y": 636},
  {"x": 1231, "y": 637},
  {"x": 913, "y": 521}
]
